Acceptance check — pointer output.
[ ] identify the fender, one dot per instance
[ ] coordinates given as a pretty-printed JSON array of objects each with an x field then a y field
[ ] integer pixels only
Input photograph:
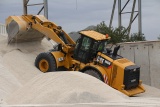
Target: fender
[{"x": 59, "y": 57}]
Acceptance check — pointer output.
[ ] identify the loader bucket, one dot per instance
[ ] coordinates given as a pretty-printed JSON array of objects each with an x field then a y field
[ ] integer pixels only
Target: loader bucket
[{"x": 18, "y": 30}]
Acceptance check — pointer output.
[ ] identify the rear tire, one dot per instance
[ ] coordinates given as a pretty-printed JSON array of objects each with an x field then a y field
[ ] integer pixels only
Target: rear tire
[
  {"x": 93, "y": 73},
  {"x": 45, "y": 62}
]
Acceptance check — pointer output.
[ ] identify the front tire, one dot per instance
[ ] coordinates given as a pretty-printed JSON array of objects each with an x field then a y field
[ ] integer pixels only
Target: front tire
[
  {"x": 45, "y": 62},
  {"x": 94, "y": 73}
]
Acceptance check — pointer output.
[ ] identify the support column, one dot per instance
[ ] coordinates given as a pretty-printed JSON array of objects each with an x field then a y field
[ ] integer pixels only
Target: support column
[
  {"x": 119, "y": 14},
  {"x": 25, "y": 6},
  {"x": 139, "y": 18},
  {"x": 46, "y": 8}
]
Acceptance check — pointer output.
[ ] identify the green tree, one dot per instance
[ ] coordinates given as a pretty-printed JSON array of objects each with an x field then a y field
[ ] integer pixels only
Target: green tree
[
  {"x": 137, "y": 37},
  {"x": 118, "y": 34}
]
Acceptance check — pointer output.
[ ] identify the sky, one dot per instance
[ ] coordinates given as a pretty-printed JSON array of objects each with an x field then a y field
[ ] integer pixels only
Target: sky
[{"x": 75, "y": 15}]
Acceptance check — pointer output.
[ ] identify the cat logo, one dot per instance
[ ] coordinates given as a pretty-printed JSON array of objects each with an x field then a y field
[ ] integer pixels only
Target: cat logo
[{"x": 103, "y": 61}]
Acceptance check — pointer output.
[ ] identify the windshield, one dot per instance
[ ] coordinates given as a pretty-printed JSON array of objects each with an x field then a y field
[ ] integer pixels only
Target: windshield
[{"x": 100, "y": 45}]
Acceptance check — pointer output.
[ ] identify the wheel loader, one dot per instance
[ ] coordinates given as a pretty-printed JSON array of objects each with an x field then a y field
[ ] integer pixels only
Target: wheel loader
[{"x": 88, "y": 55}]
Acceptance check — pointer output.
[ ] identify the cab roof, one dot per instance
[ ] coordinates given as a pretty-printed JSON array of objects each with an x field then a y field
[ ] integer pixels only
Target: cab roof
[{"x": 95, "y": 35}]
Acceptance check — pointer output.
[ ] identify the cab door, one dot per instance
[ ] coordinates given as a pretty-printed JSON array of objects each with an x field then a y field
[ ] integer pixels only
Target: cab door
[{"x": 82, "y": 49}]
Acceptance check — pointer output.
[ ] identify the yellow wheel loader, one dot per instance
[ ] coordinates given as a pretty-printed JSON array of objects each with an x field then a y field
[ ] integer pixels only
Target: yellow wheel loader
[{"x": 88, "y": 55}]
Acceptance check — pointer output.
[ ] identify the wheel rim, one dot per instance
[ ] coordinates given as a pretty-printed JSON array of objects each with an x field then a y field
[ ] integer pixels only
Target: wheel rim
[{"x": 43, "y": 65}]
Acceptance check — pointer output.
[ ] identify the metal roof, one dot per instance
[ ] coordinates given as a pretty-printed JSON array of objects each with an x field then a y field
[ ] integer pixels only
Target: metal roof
[{"x": 94, "y": 35}]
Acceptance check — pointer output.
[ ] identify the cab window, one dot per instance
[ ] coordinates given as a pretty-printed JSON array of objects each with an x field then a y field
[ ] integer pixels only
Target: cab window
[{"x": 86, "y": 43}]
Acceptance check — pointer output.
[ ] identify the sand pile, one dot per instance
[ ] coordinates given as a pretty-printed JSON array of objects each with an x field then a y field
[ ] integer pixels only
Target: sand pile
[
  {"x": 19, "y": 58},
  {"x": 64, "y": 87},
  {"x": 8, "y": 83},
  {"x": 17, "y": 64},
  {"x": 22, "y": 83}
]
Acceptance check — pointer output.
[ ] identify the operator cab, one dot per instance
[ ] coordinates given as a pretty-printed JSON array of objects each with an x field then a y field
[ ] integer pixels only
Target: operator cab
[{"x": 89, "y": 44}]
